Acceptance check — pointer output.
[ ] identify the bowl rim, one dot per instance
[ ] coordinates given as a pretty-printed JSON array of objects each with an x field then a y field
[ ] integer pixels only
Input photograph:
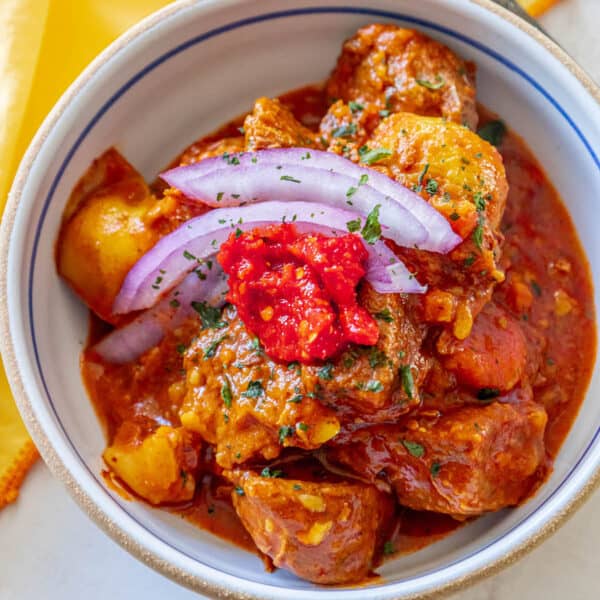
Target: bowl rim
[{"x": 50, "y": 455}]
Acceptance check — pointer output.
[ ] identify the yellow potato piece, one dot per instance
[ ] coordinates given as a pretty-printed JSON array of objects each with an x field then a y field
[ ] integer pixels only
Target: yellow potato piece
[
  {"x": 536, "y": 7},
  {"x": 154, "y": 468}
]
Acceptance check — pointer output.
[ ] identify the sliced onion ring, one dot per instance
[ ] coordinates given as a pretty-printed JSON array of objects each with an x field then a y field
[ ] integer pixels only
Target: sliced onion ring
[
  {"x": 147, "y": 330},
  {"x": 205, "y": 180},
  {"x": 188, "y": 247}
]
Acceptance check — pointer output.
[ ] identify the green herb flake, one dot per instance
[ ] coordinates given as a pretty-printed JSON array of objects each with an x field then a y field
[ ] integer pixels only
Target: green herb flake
[
  {"x": 469, "y": 260},
  {"x": 353, "y": 226},
  {"x": 254, "y": 389},
  {"x": 493, "y": 132},
  {"x": 479, "y": 201},
  {"x": 181, "y": 348},
  {"x": 377, "y": 358},
  {"x": 414, "y": 449},
  {"x": 285, "y": 432},
  {"x": 238, "y": 232},
  {"x": 302, "y": 426},
  {"x": 220, "y": 196},
  {"x": 535, "y": 286},
  {"x": 289, "y": 178},
  {"x": 384, "y": 113},
  {"x": 211, "y": 349},
  {"x": 364, "y": 178},
  {"x": 440, "y": 82},
  {"x": 239, "y": 491},
  {"x": 374, "y": 386},
  {"x": 296, "y": 487},
  {"x": 226, "y": 393},
  {"x": 371, "y": 232},
  {"x": 344, "y": 131},
  {"x": 388, "y": 548},
  {"x": 355, "y": 106},
  {"x": 384, "y": 315},
  {"x": 351, "y": 191},
  {"x": 407, "y": 380},
  {"x": 175, "y": 303},
  {"x": 431, "y": 187},
  {"x": 274, "y": 474},
  {"x": 477, "y": 234},
  {"x": 209, "y": 315},
  {"x": 296, "y": 399},
  {"x": 435, "y": 469},
  {"x": 326, "y": 372},
  {"x": 370, "y": 157}
]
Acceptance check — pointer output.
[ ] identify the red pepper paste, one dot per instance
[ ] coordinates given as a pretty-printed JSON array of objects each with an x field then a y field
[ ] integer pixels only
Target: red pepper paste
[{"x": 297, "y": 292}]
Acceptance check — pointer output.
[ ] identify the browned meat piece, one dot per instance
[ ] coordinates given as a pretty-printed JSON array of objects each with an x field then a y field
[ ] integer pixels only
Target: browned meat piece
[
  {"x": 201, "y": 150},
  {"x": 322, "y": 532},
  {"x": 402, "y": 70},
  {"x": 494, "y": 356},
  {"x": 272, "y": 125},
  {"x": 244, "y": 403},
  {"x": 470, "y": 461},
  {"x": 381, "y": 382}
]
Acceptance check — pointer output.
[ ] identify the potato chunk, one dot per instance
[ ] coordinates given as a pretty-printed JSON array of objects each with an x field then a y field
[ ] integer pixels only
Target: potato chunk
[
  {"x": 105, "y": 231},
  {"x": 160, "y": 468},
  {"x": 322, "y": 532}
]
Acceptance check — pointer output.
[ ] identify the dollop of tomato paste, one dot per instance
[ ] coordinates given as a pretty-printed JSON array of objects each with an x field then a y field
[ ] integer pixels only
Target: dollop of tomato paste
[{"x": 297, "y": 291}]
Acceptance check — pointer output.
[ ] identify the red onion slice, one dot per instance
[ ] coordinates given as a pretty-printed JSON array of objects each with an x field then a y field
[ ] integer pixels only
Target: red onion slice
[
  {"x": 147, "y": 330},
  {"x": 189, "y": 246},
  {"x": 440, "y": 237},
  {"x": 292, "y": 183}
]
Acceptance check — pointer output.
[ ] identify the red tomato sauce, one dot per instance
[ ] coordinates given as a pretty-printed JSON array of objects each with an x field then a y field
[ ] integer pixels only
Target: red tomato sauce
[{"x": 297, "y": 292}]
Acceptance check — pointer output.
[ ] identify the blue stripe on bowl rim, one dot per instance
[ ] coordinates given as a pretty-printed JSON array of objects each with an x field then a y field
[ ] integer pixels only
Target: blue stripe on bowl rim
[{"x": 212, "y": 34}]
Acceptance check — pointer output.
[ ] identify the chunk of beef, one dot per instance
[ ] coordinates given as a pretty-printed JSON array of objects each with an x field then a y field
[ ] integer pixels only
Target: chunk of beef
[
  {"x": 467, "y": 462},
  {"x": 402, "y": 70},
  {"x": 272, "y": 125},
  {"x": 246, "y": 404},
  {"x": 322, "y": 532}
]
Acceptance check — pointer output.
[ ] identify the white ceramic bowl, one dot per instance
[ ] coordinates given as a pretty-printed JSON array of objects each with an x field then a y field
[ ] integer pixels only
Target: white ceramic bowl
[{"x": 174, "y": 77}]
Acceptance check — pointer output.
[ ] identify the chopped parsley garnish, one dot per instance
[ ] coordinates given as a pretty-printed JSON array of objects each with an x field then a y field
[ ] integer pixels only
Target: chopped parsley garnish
[
  {"x": 407, "y": 380},
  {"x": 181, "y": 348},
  {"x": 296, "y": 487},
  {"x": 355, "y": 106},
  {"x": 209, "y": 315},
  {"x": 479, "y": 201},
  {"x": 226, "y": 393},
  {"x": 432, "y": 187},
  {"x": 275, "y": 473},
  {"x": 373, "y": 386},
  {"x": 384, "y": 113},
  {"x": 414, "y": 449},
  {"x": 302, "y": 426},
  {"x": 353, "y": 226},
  {"x": 370, "y": 157},
  {"x": 384, "y": 315},
  {"x": 440, "y": 82},
  {"x": 289, "y": 178},
  {"x": 238, "y": 232},
  {"x": 377, "y": 358},
  {"x": 535, "y": 286},
  {"x": 294, "y": 365},
  {"x": 306, "y": 156},
  {"x": 488, "y": 394},
  {"x": 239, "y": 491},
  {"x": 421, "y": 177},
  {"x": 351, "y": 191},
  {"x": 296, "y": 399},
  {"x": 493, "y": 132},
  {"x": 371, "y": 232},
  {"x": 388, "y": 548},
  {"x": 175, "y": 303},
  {"x": 344, "y": 131},
  {"x": 285, "y": 432},
  {"x": 469, "y": 260},
  {"x": 211, "y": 350},
  {"x": 478, "y": 232},
  {"x": 363, "y": 179},
  {"x": 254, "y": 389},
  {"x": 326, "y": 372},
  {"x": 435, "y": 469},
  {"x": 220, "y": 196}
]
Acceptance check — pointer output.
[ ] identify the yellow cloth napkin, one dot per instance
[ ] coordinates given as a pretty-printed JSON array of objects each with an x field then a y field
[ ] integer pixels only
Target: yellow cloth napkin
[{"x": 44, "y": 46}]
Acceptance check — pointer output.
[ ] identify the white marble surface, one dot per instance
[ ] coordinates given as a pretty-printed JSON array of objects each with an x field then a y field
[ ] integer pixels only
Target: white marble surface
[{"x": 50, "y": 550}]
